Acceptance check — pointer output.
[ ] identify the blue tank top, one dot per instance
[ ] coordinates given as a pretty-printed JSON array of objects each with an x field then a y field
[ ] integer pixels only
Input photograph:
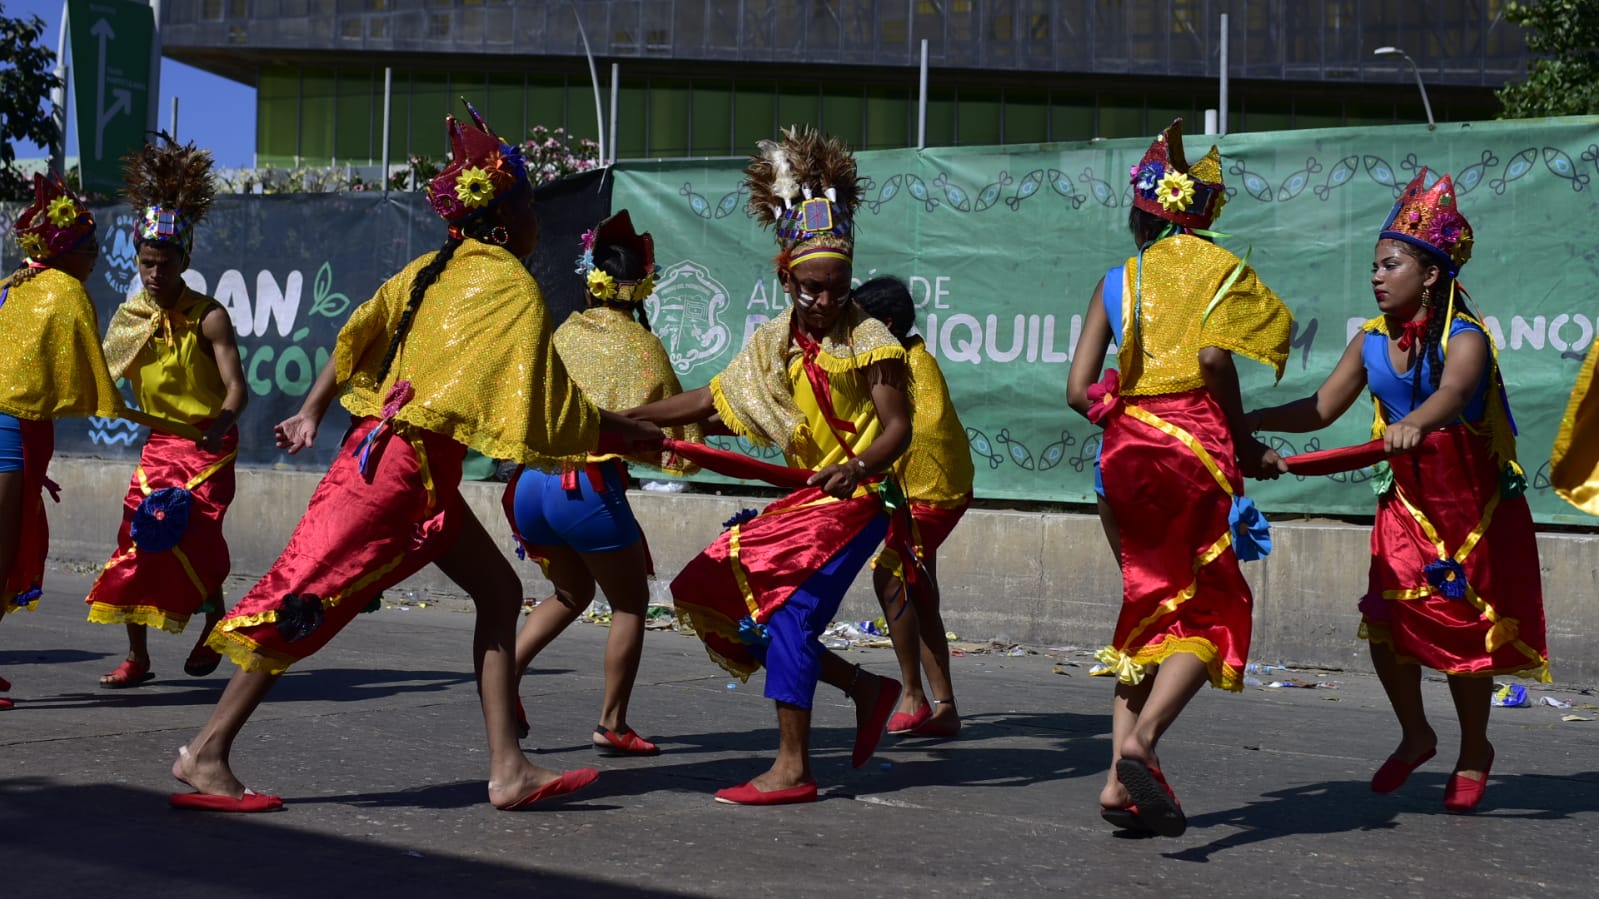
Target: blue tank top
[
  {"x": 1394, "y": 390},
  {"x": 1111, "y": 296}
]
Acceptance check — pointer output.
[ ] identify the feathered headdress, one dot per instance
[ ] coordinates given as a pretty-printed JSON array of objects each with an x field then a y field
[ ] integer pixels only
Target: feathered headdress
[
  {"x": 171, "y": 186},
  {"x": 805, "y": 187}
]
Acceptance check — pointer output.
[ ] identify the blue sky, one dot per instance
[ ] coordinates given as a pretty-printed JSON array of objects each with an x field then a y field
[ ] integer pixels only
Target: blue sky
[{"x": 214, "y": 112}]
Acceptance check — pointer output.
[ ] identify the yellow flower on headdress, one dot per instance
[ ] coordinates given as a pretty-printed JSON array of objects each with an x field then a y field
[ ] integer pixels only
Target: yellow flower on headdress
[
  {"x": 63, "y": 212},
  {"x": 33, "y": 245},
  {"x": 601, "y": 284},
  {"x": 1175, "y": 191},
  {"x": 644, "y": 288},
  {"x": 474, "y": 188}
]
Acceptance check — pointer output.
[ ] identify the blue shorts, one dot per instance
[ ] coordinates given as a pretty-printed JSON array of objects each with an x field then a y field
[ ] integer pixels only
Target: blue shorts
[
  {"x": 10, "y": 443},
  {"x": 794, "y": 659},
  {"x": 1099, "y": 478},
  {"x": 587, "y": 520}
]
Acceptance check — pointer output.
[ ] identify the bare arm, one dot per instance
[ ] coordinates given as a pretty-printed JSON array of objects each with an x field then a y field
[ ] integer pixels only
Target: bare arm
[
  {"x": 887, "y": 383},
  {"x": 1255, "y": 459},
  {"x": 1463, "y": 371},
  {"x": 217, "y": 328},
  {"x": 1089, "y": 355},
  {"x": 688, "y": 407},
  {"x": 1330, "y": 401},
  {"x": 298, "y": 431}
]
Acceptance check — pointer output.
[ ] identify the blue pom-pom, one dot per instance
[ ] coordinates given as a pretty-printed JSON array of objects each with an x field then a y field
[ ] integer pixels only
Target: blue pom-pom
[
  {"x": 742, "y": 516},
  {"x": 1448, "y": 578},
  {"x": 161, "y": 520},
  {"x": 1251, "y": 530},
  {"x": 752, "y": 634}
]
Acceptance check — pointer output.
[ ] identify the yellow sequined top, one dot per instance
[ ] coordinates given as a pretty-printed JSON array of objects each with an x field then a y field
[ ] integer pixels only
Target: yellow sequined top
[
  {"x": 163, "y": 353},
  {"x": 480, "y": 357},
  {"x": 1194, "y": 295},
  {"x": 50, "y": 360},
  {"x": 937, "y": 469},
  {"x": 764, "y": 395},
  {"x": 618, "y": 365},
  {"x": 1574, "y": 464}
]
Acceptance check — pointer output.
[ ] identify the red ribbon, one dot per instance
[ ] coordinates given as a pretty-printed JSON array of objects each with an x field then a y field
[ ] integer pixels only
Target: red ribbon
[
  {"x": 1332, "y": 461},
  {"x": 1410, "y": 332},
  {"x": 820, "y": 385}
]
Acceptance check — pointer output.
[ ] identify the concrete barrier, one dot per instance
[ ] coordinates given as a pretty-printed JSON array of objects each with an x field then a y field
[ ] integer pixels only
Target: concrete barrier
[{"x": 1034, "y": 577}]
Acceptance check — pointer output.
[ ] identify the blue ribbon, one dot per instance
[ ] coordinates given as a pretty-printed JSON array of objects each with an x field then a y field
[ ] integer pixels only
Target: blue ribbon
[{"x": 1251, "y": 530}]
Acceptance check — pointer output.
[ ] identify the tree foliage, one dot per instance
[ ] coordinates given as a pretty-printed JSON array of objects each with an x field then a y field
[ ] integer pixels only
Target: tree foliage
[
  {"x": 1565, "y": 79},
  {"x": 26, "y": 77}
]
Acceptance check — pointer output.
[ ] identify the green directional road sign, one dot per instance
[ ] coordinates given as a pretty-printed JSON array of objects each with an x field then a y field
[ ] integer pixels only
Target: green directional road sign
[{"x": 111, "y": 70}]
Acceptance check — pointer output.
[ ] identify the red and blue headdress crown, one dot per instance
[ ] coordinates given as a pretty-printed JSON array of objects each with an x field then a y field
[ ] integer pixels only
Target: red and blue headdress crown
[
  {"x": 1165, "y": 185},
  {"x": 55, "y": 222},
  {"x": 1430, "y": 218},
  {"x": 482, "y": 170}
]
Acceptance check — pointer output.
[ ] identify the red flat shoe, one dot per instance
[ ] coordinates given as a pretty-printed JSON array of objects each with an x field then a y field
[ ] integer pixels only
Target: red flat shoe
[
  {"x": 1463, "y": 793},
  {"x": 941, "y": 729},
  {"x": 747, "y": 794},
  {"x": 629, "y": 743},
  {"x": 568, "y": 782},
  {"x": 5, "y": 685},
  {"x": 249, "y": 803},
  {"x": 1124, "y": 818},
  {"x": 6, "y": 704},
  {"x": 127, "y": 674},
  {"x": 1394, "y": 772},
  {"x": 867, "y": 738},
  {"x": 1157, "y": 804},
  {"x": 901, "y": 723}
]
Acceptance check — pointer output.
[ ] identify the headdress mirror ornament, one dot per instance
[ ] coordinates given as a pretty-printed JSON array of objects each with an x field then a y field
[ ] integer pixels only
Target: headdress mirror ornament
[
  {"x": 617, "y": 231},
  {"x": 1430, "y": 218},
  {"x": 171, "y": 186},
  {"x": 55, "y": 222},
  {"x": 805, "y": 187},
  {"x": 1165, "y": 185},
  {"x": 482, "y": 170}
]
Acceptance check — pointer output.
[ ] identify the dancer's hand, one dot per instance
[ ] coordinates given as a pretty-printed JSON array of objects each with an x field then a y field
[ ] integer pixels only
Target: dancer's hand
[
  {"x": 296, "y": 432},
  {"x": 1259, "y": 461},
  {"x": 1402, "y": 437},
  {"x": 211, "y": 440},
  {"x": 839, "y": 480}
]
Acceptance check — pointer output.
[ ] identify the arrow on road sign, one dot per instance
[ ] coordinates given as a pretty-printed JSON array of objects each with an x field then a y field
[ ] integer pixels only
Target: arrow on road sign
[{"x": 124, "y": 98}]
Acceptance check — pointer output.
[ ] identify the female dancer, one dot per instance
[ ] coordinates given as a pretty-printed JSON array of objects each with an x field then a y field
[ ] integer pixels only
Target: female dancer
[
  {"x": 578, "y": 524},
  {"x": 176, "y": 347},
  {"x": 1454, "y": 582},
  {"x": 1175, "y": 452},
  {"x": 936, "y": 473},
  {"x": 454, "y": 351},
  {"x": 54, "y": 369}
]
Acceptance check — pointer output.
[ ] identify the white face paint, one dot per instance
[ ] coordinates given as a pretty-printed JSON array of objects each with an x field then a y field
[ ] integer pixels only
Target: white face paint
[{"x": 804, "y": 300}]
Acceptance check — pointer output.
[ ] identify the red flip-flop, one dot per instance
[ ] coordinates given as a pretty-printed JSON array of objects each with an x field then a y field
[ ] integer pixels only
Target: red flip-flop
[
  {"x": 249, "y": 803},
  {"x": 568, "y": 782},
  {"x": 867, "y": 738}
]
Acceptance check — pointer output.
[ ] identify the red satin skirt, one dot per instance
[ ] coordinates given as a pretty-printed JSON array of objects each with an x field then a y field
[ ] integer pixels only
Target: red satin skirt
[
  {"x": 26, "y": 581},
  {"x": 361, "y": 534},
  {"x": 1182, "y": 590},
  {"x": 151, "y": 579},
  {"x": 929, "y": 527},
  {"x": 757, "y": 564},
  {"x": 1452, "y": 483}
]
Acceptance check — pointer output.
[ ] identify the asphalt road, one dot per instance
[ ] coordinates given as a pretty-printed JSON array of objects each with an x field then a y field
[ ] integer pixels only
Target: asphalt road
[{"x": 377, "y": 747}]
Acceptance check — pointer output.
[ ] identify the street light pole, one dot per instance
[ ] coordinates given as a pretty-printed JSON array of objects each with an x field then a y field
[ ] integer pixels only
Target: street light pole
[
  {"x": 1425, "y": 103},
  {"x": 594, "y": 77}
]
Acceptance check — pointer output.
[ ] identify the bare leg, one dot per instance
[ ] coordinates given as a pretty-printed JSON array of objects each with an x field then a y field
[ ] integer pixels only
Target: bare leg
[
  {"x": 574, "y": 590},
  {"x": 793, "y": 764},
  {"x": 1402, "y": 682},
  {"x": 860, "y": 685},
  {"x": 10, "y": 525},
  {"x": 622, "y": 575},
  {"x": 205, "y": 762},
  {"x": 935, "y": 654},
  {"x": 905, "y": 630},
  {"x": 213, "y": 605},
  {"x": 1473, "y": 698},
  {"x": 138, "y": 649},
  {"x": 477, "y": 567},
  {"x": 1175, "y": 683},
  {"x": 1124, "y": 712},
  {"x": 1113, "y": 536}
]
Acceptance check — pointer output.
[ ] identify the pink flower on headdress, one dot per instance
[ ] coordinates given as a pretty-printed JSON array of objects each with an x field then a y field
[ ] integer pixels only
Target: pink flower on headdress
[
  {"x": 588, "y": 239},
  {"x": 1104, "y": 398}
]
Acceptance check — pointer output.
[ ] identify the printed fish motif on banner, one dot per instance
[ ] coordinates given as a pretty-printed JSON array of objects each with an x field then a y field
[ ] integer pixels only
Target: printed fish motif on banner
[
  {"x": 696, "y": 202},
  {"x": 953, "y": 194},
  {"x": 1254, "y": 185},
  {"x": 983, "y": 448},
  {"x": 1294, "y": 184},
  {"x": 1561, "y": 165},
  {"x": 1029, "y": 186},
  {"x": 686, "y": 313},
  {"x": 1055, "y": 453},
  {"x": 730, "y": 202},
  {"x": 1021, "y": 455},
  {"x": 1378, "y": 170},
  {"x": 1062, "y": 183},
  {"x": 1339, "y": 175},
  {"x": 991, "y": 194},
  {"x": 918, "y": 189},
  {"x": 1469, "y": 177},
  {"x": 1518, "y": 166},
  {"x": 889, "y": 191}
]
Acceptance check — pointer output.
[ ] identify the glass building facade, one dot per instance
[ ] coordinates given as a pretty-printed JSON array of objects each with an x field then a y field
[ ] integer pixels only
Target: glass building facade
[{"x": 710, "y": 77}]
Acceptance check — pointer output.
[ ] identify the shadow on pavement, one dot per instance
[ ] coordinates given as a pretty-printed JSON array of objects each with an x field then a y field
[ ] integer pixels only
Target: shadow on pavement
[
  {"x": 96, "y": 840},
  {"x": 10, "y": 657},
  {"x": 315, "y": 685}
]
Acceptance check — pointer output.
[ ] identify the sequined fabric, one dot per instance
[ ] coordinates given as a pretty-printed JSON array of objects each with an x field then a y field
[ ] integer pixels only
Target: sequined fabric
[
  {"x": 50, "y": 360},
  {"x": 937, "y": 469},
  {"x": 1431, "y": 219},
  {"x": 1574, "y": 463},
  {"x": 619, "y": 365},
  {"x": 162, "y": 352},
  {"x": 480, "y": 358},
  {"x": 1182, "y": 277},
  {"x": 755, "y": 394}
]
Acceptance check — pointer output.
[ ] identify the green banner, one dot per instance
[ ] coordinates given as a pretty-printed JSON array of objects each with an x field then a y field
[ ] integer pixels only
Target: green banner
[
  {"x": 1002, "y": 247},
  {"x": 111, "y": 70}
]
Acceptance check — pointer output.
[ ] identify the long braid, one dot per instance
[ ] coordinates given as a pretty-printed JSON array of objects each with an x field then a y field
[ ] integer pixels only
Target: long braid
[
  {"x": 419, "y": 287},
  {"x": 1432, "y": 341}
]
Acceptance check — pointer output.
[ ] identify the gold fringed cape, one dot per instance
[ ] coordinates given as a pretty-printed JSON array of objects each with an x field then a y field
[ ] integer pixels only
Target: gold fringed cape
[
  {"x": 480, "y": 357},
  {"x": 1194, "y": 294},
  {"x": 51, "y": 365},
  {"x": 765, "y": 396},
  {"x": 1574, "y": 464},
  {"x": 619, "y": 365}
]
